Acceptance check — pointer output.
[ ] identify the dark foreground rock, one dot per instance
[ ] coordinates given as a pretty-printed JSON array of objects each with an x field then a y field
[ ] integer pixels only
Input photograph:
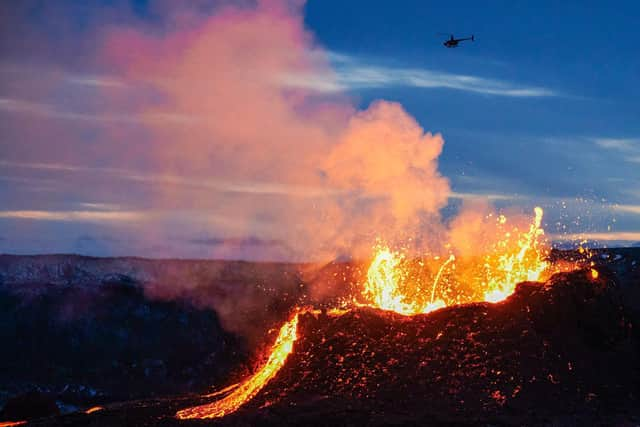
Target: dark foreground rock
[
  {"x": 90, "y": 331},
  {"x": 566, "y": 352},
  {"x": 87, "y": 346},
  {"x": 29, "y": 406},
  {"x": 86, "y": 331}
]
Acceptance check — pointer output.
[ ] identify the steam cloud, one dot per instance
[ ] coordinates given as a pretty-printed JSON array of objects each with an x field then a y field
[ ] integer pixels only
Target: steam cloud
[{"x": 294, "y": 167}]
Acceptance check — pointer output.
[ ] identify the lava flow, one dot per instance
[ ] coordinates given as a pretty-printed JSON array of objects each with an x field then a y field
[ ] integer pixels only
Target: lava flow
[
  {"x": 394, "y": 284},
  {"x": 250, "y": 387}
]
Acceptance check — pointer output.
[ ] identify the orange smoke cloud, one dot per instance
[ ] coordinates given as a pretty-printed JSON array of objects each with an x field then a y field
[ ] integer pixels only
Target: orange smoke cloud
[
  {"x": 308, "y": 171},
  {"x": 387, "y": 167}
]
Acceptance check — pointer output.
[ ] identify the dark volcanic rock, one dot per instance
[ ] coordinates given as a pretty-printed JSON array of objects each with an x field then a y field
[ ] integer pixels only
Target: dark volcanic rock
[
  {"x": 88, "y": 345},
  {"x": 93, "y": 330},
  {"x": 567, "y": 347},
  {"x": 29, "y": 406},
  {"x": 561, "y": 353},
  {"x": 566, "y": 352}
]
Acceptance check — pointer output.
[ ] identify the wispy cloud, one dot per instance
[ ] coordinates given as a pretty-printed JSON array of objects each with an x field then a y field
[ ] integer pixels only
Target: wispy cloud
[
  {"x": 51, "y": 111},
  {"x": 51, "y": 74},
  {"x": 246, "y": 241},
  {"x": 84, "y": 216},
  {"x": 351, "y": 73},
  {"x": 620, "y": 144},
  {"x": 482, "y": 196},
  {"x": 629, "y": 147},
  {"x": 100, "y": 206},
  {"x": 634, "y": 209},
  {"x": 95, "y": 81},
  {"x": 611, "y": 236},
  {"x": 245, "y": 187}
]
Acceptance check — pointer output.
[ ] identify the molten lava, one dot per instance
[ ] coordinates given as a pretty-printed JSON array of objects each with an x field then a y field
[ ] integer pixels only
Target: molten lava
[
  {"x": 389, "y": 287},
  {"x": 526, "y": 262},
  {"x": 246, "y": 390},
  {"x": 394, "y": 284}
]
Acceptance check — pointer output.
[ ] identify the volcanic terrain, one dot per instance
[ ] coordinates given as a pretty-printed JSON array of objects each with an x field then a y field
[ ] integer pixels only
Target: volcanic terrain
[{"x": 564, "y": 352}]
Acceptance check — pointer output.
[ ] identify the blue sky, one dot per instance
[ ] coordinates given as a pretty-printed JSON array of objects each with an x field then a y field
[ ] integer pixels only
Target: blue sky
[
  {"x": 574, "y": 135},
  {"x": 542, "y": 109}
]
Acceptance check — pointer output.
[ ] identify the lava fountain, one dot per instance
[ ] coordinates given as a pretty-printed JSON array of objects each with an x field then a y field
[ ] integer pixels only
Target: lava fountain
[
  {"x": 394, "y": 285},
  {"x": 508, "y": 268},
  {"x": 389, "y": 286}
]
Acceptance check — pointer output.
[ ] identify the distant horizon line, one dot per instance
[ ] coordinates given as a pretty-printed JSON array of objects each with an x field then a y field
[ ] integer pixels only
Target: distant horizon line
[{"x": 555, "y": 246}]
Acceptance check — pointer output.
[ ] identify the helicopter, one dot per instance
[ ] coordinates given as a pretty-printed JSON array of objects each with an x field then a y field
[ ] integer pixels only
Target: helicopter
[{"x": 453, "y": 42}]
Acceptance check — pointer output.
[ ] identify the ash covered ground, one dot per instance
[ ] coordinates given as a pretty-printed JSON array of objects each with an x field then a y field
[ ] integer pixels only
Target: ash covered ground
[{"x": 566, "y": 352}]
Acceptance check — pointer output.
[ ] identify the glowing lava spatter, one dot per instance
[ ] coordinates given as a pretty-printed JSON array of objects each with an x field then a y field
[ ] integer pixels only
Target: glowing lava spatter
[
  {"x": 509, "y": 267},
  {"x": 514, "y": 257},
  {"x": 247, "y": 389},
  {"x": 389, "y": 287},
  {"x": 451, "y": 259}
]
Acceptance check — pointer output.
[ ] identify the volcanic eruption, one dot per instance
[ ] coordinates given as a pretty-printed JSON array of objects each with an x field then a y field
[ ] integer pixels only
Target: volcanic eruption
[
  {"x": 390, "y": 296},
  {"x": 395, "y": 285}
]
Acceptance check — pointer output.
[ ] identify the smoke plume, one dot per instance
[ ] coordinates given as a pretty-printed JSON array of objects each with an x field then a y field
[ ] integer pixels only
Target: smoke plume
[{"x": 285, "y": 163}]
